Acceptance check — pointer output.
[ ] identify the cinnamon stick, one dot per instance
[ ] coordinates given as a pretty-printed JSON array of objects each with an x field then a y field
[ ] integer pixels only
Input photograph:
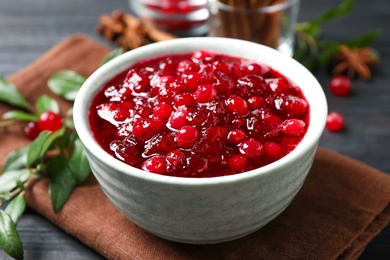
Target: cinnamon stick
[{"x": 246, "y": 21}]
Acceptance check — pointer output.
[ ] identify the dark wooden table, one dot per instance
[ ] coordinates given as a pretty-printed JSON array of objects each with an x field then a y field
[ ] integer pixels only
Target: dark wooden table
[{"x": 29, "y": 28}]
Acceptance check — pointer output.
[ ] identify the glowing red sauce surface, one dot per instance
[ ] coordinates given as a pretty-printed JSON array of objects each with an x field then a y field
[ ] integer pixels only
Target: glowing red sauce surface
[{"x": 199, "y": 114}]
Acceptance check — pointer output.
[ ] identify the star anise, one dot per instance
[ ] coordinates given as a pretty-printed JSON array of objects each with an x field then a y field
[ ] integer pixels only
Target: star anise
[
  {"x": 355, "y": 61},
  {"x": 133, "y": 36},
  {"x": 111, "y": 26}
]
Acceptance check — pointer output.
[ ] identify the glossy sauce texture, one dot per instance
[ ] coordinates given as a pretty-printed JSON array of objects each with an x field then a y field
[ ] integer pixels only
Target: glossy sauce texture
[{"x": 199, "y": 114}]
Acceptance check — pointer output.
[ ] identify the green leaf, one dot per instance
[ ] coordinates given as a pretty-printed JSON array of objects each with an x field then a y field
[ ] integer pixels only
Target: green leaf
[
  {"x": 364, "y": 40},
  {"x": 46, "y": 103},
  {"x": 16, "y": 208},
  {"x": 308, "y": 28},
  {"x": 79, "y": 163},
  {"x": 330, "y": 49},
  {"x": 69, "y": 119},
  {"x": 9, "y": 238},
  {"x": 344, "y": 8},
  {"x": 11, "y": 95},
  {"x": 41, "y": 145},
  {"x": 113, "y": 54},
  {"x": 20, "y": 115},
  {"x": 9, "y": 180},
  {"x": 62, "y": 182},
  {"x": 66, "y": 140},
  {"x": 66, "y": 84},
  {"x": 54, "y": 136},
  {"x": 16, "y": 160},
  {"x": 36, "y": 149}
]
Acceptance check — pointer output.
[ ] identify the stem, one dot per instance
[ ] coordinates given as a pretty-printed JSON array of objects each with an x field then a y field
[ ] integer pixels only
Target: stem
[
  {"x": 310, "y": 41},
  {"x": 15, "y": 192},
  {"x": 6, "y": 123}
]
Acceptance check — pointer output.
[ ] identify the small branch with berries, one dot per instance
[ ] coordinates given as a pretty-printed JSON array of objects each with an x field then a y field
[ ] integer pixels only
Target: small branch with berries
[{"x": 55, "y": 152}]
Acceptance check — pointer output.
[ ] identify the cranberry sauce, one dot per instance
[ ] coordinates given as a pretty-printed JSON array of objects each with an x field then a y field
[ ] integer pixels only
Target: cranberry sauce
[{"x": 199, "y": 115}]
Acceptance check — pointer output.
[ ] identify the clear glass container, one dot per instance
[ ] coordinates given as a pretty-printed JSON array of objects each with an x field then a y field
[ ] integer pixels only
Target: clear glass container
[
  {"x": 269, "y": 23},
  {"x": 181, "y": 17}
]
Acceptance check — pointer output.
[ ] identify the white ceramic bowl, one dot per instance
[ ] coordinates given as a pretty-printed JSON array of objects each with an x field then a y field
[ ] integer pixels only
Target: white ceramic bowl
[{"x": 203, "y": 210}]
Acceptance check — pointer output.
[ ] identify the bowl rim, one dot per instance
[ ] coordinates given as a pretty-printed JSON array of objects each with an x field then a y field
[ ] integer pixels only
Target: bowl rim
[{"x": 185, "y": 45}]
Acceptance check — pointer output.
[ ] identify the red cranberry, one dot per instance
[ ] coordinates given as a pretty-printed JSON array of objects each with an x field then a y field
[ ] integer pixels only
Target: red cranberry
[
  {"x": 253, "y": 83},
  {"x": 237, "y": 105},
  {"x": 293, "y": 127},
  {"x": 121, "y": 115},
  {"x": 294, "y": 105},
  {"x": 216, "y": 134},
  {"x": 251, "y": 148},
  {"x": 143, "y": 111},
  {"x": 160, "y": 143},
  {"x": 125, "y": 93},
  {"x": 176, "y": 160},
  {"x": 127, "y": 105},
  {"x": 238, "y": 162},
  {"x": 271, "y": 120},
  {"x": 156, "y": 164},
  {"x": 187, "y": 100},
  {"x": 255, "y": 102},
  {"x": 279, "y": 85},
  {"x": 253, "y": 68},
  {"x": 192, "y": 80},
  {"x": 340, "y": 85},
  {"x": 202, "y": 56},
  {"x": 187, "y": 136},
  {"x": 162, "y": 111},
  {"x": 236, "y": 136},
  {"x": 162, "y": 81},
  {"x": 145, "y": 128},
  {"x": 238, "y": 122},
  {"x": 289, "y": 143},
  {"x": 165, "y": 95},
  {"x": 50, "y": 121},
  {"x": 32, "y": 130},
  {"x": 272, "y": 150},
  {"x": 137, "y": 82},
  {"x": 221, "y": 66},
  {"x": 205, "y": 93},
  {"x": 178, "y": 118},
  {"x": 186, "y": 66},
  {"x": 335, "y": 122}
]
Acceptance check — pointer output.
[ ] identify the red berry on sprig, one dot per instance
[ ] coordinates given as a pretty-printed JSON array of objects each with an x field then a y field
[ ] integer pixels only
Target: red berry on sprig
[
  {"x": 32, "y": 130},
  {"x": 50, "y": 121}
]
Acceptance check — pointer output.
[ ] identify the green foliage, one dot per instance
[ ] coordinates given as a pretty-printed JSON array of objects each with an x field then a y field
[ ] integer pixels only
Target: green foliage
[
  {"x": 113, "y": 54},
  {"x": 9, "y": 237},
  {"x": 20, "y": 115},
  {"x": 11, "y": 95},
  {"x": 66, "y": 84},
  {"x": 312, "y": 50},
  {"x": 66, "y": 166},
  {"x": 46, "y": 103},
  {"x": 62, "y": 182}
]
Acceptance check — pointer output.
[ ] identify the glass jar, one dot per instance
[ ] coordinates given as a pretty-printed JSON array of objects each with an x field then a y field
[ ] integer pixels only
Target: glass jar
[{"x": 181, "y": 17}]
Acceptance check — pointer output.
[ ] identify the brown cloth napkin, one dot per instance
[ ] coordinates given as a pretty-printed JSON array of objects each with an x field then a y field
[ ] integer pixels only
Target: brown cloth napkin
[{"x": 341, "y": 207}]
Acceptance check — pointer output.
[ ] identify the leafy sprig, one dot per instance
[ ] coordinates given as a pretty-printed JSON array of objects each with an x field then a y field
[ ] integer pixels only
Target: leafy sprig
[
  {"x": 311, "y": 50},
  {"x": 58, "y": 155}
]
